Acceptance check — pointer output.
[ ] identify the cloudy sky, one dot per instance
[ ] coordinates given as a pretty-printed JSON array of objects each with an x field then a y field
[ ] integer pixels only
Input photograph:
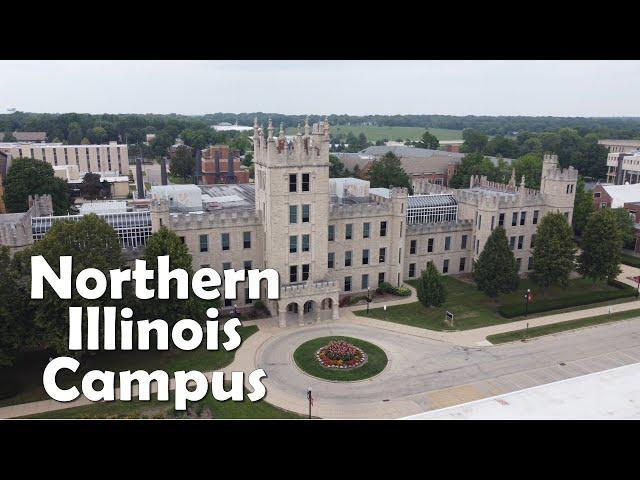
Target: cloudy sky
[{"x": 557, "y": 88}]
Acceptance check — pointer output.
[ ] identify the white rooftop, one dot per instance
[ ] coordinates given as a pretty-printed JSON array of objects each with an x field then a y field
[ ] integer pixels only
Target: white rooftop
[
  {"x": 621, "y": 194},
  {"x": 103, "y": 206},
  {"x": 608, "y": 395}
]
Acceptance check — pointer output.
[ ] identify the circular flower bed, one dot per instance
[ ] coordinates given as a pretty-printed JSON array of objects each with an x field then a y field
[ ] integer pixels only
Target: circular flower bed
[{"x": 340, "y": 354}]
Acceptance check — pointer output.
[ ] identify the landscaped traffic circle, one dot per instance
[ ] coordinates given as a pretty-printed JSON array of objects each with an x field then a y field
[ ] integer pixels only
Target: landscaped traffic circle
[{"x": 340, "y": 358}]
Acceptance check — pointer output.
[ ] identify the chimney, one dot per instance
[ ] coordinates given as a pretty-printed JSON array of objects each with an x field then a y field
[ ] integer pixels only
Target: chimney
[
  {"x": 197, "y": 173},
  {"x": 231, "y": 178},
  {"x": 218, "y": 173},
  {"x": 163, "y": 171},
  {"x": 139, "y": 181}
]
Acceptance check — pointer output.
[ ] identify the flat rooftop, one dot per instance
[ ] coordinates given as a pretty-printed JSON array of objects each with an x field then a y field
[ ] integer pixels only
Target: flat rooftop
[
  {"x": 233, "y": 197},
  {"x": 608, "y": 395}
]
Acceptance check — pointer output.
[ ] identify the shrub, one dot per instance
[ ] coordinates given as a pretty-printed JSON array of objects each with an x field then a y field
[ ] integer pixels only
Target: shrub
[
  {"x": 622, "y": 291},
  {"x": 385, "y": 287},
  {"x": 402, "y": 291}
]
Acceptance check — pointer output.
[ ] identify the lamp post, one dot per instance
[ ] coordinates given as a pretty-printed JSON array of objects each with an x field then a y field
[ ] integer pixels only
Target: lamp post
[
  {"x": 526, "y": 304},
  {"x": 385, "y": 312},
  {"x": 310, "y": 398},
  {"x": 368, "y": 299}
]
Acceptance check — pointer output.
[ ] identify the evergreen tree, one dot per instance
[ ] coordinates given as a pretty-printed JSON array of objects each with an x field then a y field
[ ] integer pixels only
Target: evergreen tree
[
  {"x": 582, "y": 207},
  {"x": 601, "y": 245},
  {"x": 182, "y": 163},
  {"x": 429, "y": 141},
  {"x": 554, "y": 251},
  {"x": 430, "y": 289},
  {"x": 388, "y": 171},
  {"x": 496, "y": 270},
  {"x": 626, "y": 227}
]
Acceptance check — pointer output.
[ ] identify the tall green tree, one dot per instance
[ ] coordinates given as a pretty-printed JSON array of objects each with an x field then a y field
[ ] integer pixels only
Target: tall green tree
[
  {"x": 601, "y": 245},
  {"x": 474, "y": 164},
  {"x": 496, "y": 271},
  {"x": 92, "y": 188},
  {"x": 182, "y": 163},
  {"x": 74, "y": 133},
  {"x": 92, "y": 243},
  {"x": 626, "y": 227},
  {"x": 387, "y": 171},
  {"x": 429, "y": 141},
  {"x": 529, "y": 165},
  {"x": 28, "y": 176},
  {"x": 431, "y": 291},
  {"x": 474, "y": 141},
  {"x": 582, "y": 207},
  {"x": 336, "y": 167},
  {"x": 9, "y": 137},
  {"x": 554, "y": 251}
]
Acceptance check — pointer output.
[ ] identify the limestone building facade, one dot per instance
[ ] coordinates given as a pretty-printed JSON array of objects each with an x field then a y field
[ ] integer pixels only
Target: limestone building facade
[{"x": 327, "y": 246}]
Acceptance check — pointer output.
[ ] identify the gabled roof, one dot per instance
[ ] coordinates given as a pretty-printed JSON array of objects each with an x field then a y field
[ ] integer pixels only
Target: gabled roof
[{"x": 30, "y": 136}]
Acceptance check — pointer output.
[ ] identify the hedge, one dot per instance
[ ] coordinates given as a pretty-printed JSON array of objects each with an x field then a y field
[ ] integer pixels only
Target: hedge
[{"x": 516, "y": 310}]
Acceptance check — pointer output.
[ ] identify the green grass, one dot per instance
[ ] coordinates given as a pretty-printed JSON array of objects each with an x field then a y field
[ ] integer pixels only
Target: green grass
[
  {"x": 305, "y": 358},
  {"x": 26, "y": 373},
  {"x": 156, "y": 409},
  {"x": 178, "y": 180},
  {"x": 630, "y": 260},
  {"x": 374, "y": 133},
  {"x": 560, "y": 327},
  {"x": 472, "y": 308}
]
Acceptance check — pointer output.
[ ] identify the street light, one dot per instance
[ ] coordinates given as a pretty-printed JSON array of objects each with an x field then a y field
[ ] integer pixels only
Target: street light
[
  {"x": 310, "y": 398},
  {"x": 368, "y": 299},
  {"x": 527, "y": 297}
]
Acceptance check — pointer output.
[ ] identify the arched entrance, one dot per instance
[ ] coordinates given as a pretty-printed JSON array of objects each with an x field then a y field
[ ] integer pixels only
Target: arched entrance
[
  {"x": 326, "y": 309},
  {"x": 292, "y": 314}
]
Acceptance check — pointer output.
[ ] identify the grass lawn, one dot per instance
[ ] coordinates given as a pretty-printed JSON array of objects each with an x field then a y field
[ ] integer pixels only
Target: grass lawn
[
  {"x": 208, "y": 407},
  {"x": 375, "y": 133},
  {"x": 472, "y": 308},
  {"x": 305, "y": 358},
  {"x": 178, "y": 180},
  {"x": 26, "y": 373},
  {"x": 560, "y": 327},
  {"x": 630, "y": 260}
]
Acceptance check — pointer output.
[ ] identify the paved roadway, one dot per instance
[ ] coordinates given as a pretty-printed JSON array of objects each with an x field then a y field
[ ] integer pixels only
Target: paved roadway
[{"x": 424, "y": 374}]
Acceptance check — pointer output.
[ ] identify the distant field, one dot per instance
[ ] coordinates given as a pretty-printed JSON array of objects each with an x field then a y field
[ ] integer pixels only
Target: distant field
[{"x": 392, "y": 133}]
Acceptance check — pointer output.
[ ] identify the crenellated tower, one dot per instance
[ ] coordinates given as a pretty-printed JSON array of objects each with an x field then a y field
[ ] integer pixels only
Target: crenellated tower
[{"x": 557, "y": 186}]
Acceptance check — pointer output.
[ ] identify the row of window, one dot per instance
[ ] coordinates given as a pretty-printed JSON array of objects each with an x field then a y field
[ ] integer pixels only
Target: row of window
[
  {"x": 348, "y": 257},
  {"x": 445, "y": 266},
  {"x": 247, "y": 265},
  {"x": 225, "y": 240},
  {"x": 413, "y": 245},
  {"x": 364, "y": 281},
  {"x": 304, "y": 183},
  {"x": 305, "y": 243},
  {"x": 293, "y": 273},
  {"x": 293, "y": 214},
  {"x": 514, "y": 219},
  {"x": 348, "y": 231},
  {"x": 512, "y": 242}
]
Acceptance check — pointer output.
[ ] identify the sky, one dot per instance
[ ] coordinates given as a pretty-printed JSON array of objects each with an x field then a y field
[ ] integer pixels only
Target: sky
[{"x": 471, "y": 87}]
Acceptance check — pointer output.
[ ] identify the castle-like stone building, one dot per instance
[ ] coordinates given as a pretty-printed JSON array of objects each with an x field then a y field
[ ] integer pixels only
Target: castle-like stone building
[{"x": 327, "y": 246}]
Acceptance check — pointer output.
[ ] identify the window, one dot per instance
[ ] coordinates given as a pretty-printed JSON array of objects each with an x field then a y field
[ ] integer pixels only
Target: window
[
  {"x": 493, "y": 221},
  {"x": 445, "y": 266},
  {"x": 382, "y": 255},
  {"x": 596, "y": 195},
  {"x": 430, "y": 245},
  {"x": 412, "y": 247},
  {"x": 331, "y": 259},
  {"x": 383, "y": 229},
  {"x": 523, "y": 218},
  {"x": 181, "y": 239},
  {"x": 535, "y": 216},
  {"x": 412, "y": 270},
  {"x": 463, "y": 244},
  {"x": 479, "y": 222},
  {"x": 293, "y": 214},
  {"x": 518, "y": 263},
  {"x": 347, "y": 259},
  {"x": 293, "y": 274},
  {"x": 530, "y": 263},
  {"x": 347, "y": 284},
  {"x": 246, "y": 239},
  {"x": 566, "y": 215},
  {"x": 514, "y": 219},
  {"x": 305, "y": 213},
  {"x": 602, "y": 205},
  {"x": 293, "y": 243},
  {"x": 365, "y": 281},
  {"x": 533, "y": 240},
  {"x": 501, "y": 220},
  {"x": 348, "y": 231},
  {"x": 380, "y": 278},
  {"x": 305, "y": 243},
  {"x": 365, "y": 256},
  {"x": 520, "y": 242},
  {"x": 226, "y": 266},
  {"x": 365, "y": 230},
  {"x": 225, "y": 241},
  {"x": 305, "y": 182},
  {"x": 293, "y": 182},
  {"x": 447, "y": 243},
  {"x": 247, "y": 265},
  {"x": 305, "y": 272},
  {"x": 204, "y": 243},
  {"x": 463, "y": 260},
  {"x": 512, "y": 242},
  {"x": 332, "y": 233},
  {"x": 477, "y": 246}
]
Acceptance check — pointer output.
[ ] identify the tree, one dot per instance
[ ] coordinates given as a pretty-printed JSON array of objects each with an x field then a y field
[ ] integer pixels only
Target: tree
[
  {"x": 91, "y": 186},
  {"x": 554, "y": 251},
  {"x": 430, "y": 289},
  {"x": 336, "y": 167},
  {"x": 28, "y": 176},
  {"x": 92, "y": 243},
  {"x": 9, "y": 137},
  {"x": 601, "y": 246},
  {"x": 98, "y": 135},
  {"x": 85, "y": 141},
  {"x": 182, "y": 163},
  {"x": 582, "y": 207},
  {"x": 388, "y": 171},
  {"x": 501, "y": 146},
  {"x": 626, "y": 227},
  {"x": 474, "y": 164},
  {"x": 429, "y": 141},
  {"x": 474, "y": 141},
  {"x": 166, "y": 242},
  {"x": 496, "y": 270},
  {"x": 529, "y": 165},
  {"x": 362, "y": 141},
  {"x": 247, "y": 160},
  {"x": 74, "y": 133}
]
